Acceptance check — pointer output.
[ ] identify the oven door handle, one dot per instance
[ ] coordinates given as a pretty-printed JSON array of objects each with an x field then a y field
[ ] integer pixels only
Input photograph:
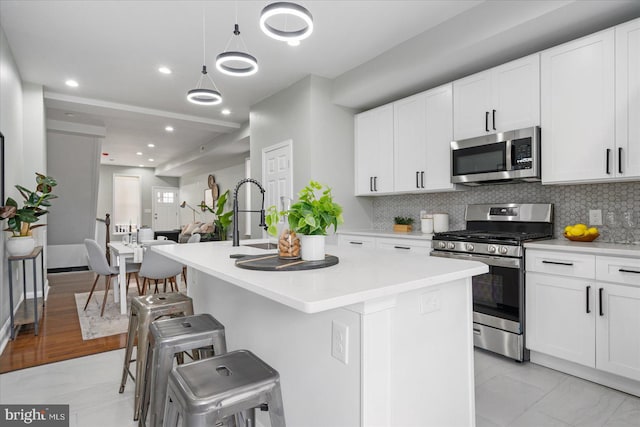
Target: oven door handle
[{"x": 489, "y": 260}]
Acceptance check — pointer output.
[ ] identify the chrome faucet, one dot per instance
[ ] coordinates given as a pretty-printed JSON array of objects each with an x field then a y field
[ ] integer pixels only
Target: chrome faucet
[{"x": 236, "y": 232}]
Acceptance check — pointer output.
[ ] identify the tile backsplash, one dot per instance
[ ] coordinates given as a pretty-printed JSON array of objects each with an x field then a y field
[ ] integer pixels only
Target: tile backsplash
[{"x": 571, "y": 202}]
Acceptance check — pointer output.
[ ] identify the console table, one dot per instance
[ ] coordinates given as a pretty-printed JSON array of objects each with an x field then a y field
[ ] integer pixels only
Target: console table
[{"x": 31, "y": 308}]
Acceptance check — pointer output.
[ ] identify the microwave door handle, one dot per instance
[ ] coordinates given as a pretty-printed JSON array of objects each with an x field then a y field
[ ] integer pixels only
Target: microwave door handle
[{"x": 509, "y": 154}]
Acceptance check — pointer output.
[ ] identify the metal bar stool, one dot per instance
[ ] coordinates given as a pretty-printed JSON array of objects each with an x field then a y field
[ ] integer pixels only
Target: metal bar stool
[
  {"x": 201, "y": 334},
  {"x": 144, "y": 310},
  {"x": 208, "y": 391}
]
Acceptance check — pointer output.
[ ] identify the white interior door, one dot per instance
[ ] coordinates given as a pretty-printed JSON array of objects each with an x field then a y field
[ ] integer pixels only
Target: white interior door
[
  {"x": 165, "y": 208},
  {"x": 277, "y": 173}
]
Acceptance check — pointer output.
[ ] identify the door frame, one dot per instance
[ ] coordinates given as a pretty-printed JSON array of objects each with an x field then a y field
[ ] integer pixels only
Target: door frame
[
  {"x": 113, "y": 198},
  {"x": 154, "y": 188}
]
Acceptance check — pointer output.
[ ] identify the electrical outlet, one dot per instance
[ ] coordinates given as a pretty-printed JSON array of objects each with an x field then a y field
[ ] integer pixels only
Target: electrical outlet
[
  {"x": 340, "y": 341},
  {"x": 430, "y": 302},
  {"x": 595, "y": 217}
]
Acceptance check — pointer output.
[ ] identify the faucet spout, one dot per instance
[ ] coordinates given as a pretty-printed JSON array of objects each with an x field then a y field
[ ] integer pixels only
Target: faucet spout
[{"x": 236, "y": 232}]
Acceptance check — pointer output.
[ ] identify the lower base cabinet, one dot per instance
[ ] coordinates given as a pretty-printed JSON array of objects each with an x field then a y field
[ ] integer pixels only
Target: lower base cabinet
[{"x": 589, "y": 321}]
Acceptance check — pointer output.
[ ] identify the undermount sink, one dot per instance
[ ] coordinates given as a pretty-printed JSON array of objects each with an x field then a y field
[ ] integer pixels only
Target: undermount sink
[{"x": 267, "y": 245}]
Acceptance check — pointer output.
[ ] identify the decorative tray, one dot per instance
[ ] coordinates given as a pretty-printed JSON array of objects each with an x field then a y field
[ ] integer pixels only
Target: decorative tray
[{"x": 273, "y": 262}]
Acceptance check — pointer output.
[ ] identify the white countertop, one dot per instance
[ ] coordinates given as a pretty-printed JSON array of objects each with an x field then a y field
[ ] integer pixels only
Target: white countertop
[
  {"x": 595, "y": 248},
  {"x": 387, "y": 233},
  {"x": 361, "y": 275}
]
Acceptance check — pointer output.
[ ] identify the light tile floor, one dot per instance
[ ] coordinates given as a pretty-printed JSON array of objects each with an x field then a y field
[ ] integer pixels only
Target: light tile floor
[{"x": 507, "y": 394}]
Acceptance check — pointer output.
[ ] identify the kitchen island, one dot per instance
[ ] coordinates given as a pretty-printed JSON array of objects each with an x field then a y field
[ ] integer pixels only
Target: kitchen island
[{"x": 381, "y": 339}]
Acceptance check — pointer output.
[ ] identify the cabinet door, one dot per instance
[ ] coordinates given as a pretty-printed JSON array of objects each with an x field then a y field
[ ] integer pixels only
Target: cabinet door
[
  {"x": 374, "y": 151},
  {"x": 471, "y": 98},
  {"x": 404, "y": 245},
  {"x": 439, "y": 116},
  {"x": 628, "y": 99},
  {"x": 516, "y": 95},
  {"x": 560, "y": 317},
  {"x": 410, "y": 143},
  {"x": 577, "y": 103},
  {"x": 617, "y": 337},
  {"x": 356, "y": 241}
]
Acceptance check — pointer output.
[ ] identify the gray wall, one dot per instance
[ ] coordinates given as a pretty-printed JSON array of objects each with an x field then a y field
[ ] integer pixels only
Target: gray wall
[
  {"x": 322, "y": 135},
  {"x": 148, "y": 180},
  {"x": 74, "y": 161}
]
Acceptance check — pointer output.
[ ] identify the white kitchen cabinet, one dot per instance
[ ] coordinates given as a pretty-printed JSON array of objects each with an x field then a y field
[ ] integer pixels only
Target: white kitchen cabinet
[
  {"x": 422, "y": 136},
  {"x": 628, "y": 99},
  {"x": 404, "y": 245},
  {"x": 357, "y": 241},
  {"x": 578, "y": 110},
  {"x": 591, "y": 319},
  {"x": 374, "y": 151},
  {"x": 503, "y": 98}
]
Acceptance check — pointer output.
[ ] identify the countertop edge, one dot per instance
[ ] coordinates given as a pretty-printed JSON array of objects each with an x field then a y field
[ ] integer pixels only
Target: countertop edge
[{"x": 595, "y": 248}]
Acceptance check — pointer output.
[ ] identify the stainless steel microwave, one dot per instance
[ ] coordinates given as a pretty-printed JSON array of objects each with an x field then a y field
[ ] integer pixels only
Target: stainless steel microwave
[{"x": 501, "y": 157}]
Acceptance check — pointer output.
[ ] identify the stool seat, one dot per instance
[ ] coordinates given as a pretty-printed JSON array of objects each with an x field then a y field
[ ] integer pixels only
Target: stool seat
[
  {"x": 206, "y": 392},
  {"x": 201, "y": 334},
  {"x": 144, "y": 310}
]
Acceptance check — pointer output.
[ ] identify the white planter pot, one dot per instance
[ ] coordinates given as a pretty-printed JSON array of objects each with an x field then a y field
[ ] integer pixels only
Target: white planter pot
[
  {"x": 312, "y": 247},
  {"x": 20, "y": 246}
]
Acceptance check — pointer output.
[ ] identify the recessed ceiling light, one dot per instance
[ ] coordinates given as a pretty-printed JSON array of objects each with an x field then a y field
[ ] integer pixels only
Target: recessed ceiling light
[
  {"x": 151, "y": 145},
  {"x": 140, "y": 166},
  {"x": 71, "y": 83},
  {"x": 169, "y": 128},
  {"x": 151, "y": 160},
  {"x": 139, "y": 153},
  {"x": 226, "y": 111},
  {"x": 165, "y": 70},
  {"x": 293, "y": 42}
]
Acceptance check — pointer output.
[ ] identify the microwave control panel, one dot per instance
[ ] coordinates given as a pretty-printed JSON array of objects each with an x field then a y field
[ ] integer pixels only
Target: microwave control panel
[{"x": 521, "y": 153}]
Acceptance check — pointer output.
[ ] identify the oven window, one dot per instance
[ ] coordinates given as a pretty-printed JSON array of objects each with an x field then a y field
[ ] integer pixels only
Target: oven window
[
  {"x": 497, "y": 293},
  {"x": 480, "y": 159}
]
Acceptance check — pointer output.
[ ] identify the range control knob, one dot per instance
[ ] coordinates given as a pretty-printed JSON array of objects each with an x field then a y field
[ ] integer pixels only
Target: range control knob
[
  {"x": 491, "y": 249},
  {"x": 442, "y": 245},
  {"x": 451, "y": 245},
  {"x": 503, "y": 250},
  {"x": 469, "y": 247}
]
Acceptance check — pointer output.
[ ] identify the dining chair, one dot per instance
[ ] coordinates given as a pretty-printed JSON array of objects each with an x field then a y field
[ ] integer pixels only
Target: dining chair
[
  {"x": 157, "y": 267},
  {"x": 98, "y": 264}
]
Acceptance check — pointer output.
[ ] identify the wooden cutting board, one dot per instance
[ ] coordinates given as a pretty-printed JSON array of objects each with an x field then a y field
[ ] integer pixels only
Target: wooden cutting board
[{"x": 273, "y": 262}]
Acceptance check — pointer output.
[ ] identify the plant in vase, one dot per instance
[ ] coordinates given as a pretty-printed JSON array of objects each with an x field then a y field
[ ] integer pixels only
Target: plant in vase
[
  {"x": 402, "y": 224},
  {"x": 20, "y": 221},
  {"x": 310, "y": 217},
  {"x": 221, "y": 219}
]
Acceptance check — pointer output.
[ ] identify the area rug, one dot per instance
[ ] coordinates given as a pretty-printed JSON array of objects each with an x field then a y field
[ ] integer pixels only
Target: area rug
[{"x": 92, "y": 324}]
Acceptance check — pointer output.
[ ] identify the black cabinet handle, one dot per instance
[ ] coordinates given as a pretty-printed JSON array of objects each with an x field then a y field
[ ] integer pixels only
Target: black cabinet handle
[
  {"x": 422, "y": 178},
  {"x": 402, "y": 247},
  {"x": 375, "y": 183},
  {"x": 619, "y": 159},
  {"x": 588, "y": 290},
  {"x": 557, "y": 263},
  {"x": 370, "y": 183},
  {"x": 486, "y": 121},
  {"x": 356, "y": 243},
  {"x": 608, "y": 158},
  {"x": 600, "y": 295},
  {"x": 494, "y": 119},
  {"x": 624, "y": 270},
  {"x": 417, "y": 179}
]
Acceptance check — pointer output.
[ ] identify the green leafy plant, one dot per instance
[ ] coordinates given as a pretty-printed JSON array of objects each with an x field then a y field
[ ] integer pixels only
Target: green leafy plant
[
  {"x": 403, "y": 220},
  {"x": 222, "y": 220},
  {"x": 19, "y": 221},
  {"x": 311, "y": 215}
]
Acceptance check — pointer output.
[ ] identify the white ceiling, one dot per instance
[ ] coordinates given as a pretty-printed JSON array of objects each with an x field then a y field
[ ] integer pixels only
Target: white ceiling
[{"x": 375, "y": 50}]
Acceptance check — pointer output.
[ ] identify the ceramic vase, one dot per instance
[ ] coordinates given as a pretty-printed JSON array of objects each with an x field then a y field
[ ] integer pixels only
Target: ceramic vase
[
  {"x": 312, "y": 247},
  {"x": 20, "y": 245}
]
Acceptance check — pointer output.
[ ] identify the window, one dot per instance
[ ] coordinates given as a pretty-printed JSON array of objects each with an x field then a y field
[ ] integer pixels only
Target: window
[
  {"x": 165, "y": 196},
  {"x": 126, "y": 203}
]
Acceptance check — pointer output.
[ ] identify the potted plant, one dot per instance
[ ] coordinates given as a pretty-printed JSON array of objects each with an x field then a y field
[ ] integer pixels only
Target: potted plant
[
  {"x": 310, "y": 217},
  {"x": 402, "y": 224},
  {"x": 19, "y": 221},
  {"x": 221, "y": 219}
]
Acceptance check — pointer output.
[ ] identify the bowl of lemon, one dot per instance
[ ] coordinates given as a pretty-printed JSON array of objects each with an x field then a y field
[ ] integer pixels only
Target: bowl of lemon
[{"x": 581, "y": 233}]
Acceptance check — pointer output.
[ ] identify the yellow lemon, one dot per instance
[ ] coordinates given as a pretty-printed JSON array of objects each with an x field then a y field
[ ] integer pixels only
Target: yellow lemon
[
  {"x": 592, "y": 230},
  {"x": 580, "y": 227},
  {"x": 568, "y": 228},
  {"x": 576, "y": 232}
]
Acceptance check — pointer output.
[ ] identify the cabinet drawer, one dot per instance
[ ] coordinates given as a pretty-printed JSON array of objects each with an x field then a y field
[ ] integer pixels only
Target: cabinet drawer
[
  {"x": 618, "y": 270},
  {"x": 404, "y": 245},
  {"x": 561, "y": 263},
  {"x": 356, "y": 241}
]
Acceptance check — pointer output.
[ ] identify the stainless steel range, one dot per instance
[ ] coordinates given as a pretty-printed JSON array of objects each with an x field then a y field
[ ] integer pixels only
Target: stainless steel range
[{"x": 495, "y": 235}]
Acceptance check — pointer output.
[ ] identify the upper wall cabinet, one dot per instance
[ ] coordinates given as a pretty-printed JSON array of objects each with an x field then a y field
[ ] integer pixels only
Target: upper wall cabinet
[
  {"x": 628, "y": 99},
  {"x": 503, "y": 98},
  {"x": 374, "y": 151},
  {"x": 422, "y": 135},
  {"x": 590, "y": 102}
]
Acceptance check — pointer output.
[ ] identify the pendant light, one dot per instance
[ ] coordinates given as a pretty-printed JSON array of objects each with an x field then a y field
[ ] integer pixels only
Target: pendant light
[
  {"x": 226, "y": 58},
  {"x": 201, "y": 95},
  {"x": 287, "y": 9}
]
